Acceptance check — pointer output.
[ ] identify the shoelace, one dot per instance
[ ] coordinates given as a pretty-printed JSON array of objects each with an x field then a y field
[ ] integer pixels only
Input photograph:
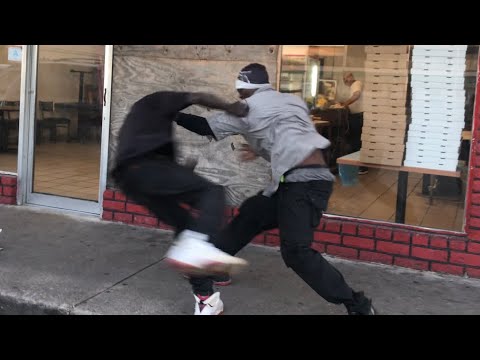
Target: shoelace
[{"x": 201, "y": 304}]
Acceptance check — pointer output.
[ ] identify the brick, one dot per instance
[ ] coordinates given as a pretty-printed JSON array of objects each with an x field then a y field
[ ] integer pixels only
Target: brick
[
  {"x": 439, "y": 241},
  {"x": 164, "y": 226},
  {"x": 9, "y": 191},
  {"x": 420, "y": 239},
  {"x": 393, "y": 248},
  {"x": 235, "y": 212},
  {"x": 274, "y": 232},
  {"x": 365, "y": 230},
  {"x": 476, "y": 199},
  {"x": 9, "y": 181},
  {"x": 430, "y": 254},
  {"x": 332, "y": 226},
  {"x": 108, "y": 195},
  {"x": 318, "y": 247},
  {"x": 357, "y": 242},
  {"x": 401, "y": 236},
  {"x": 384, "y": 234},
  {"x": 457, "y": 245},
  {"x": 348, "y": 228},
  {"x": 376, "y": 257},
  {"x": 137, "y": 209},
  {"x": 327, "y": 237},
  {"x": 410, "y": 263},
  {"x": 122, "y": 217},
  {"x": 475, "y": 210},
  {"x": 476, "y": 174},
  {"x": 474, "y": 234},
  {"x": 259, "y": 239},
  {"x": 272, "y": 240},
  {"x": 448, "y": 269},
  {"x": 476, "y": 184},
  {"x": 120, "y": 196},
  {"x": 475, "y": 222},
  {"x": 1, "y": 190},
  {"x": 113, "y": 205},
  {"x": 7, "y": 200},
  {"x": 474, "y": 248},
  {"x": 474, "y": 273},
  {"x": 474, "y": 160},
  {"x": 342, "y": 251},
  {"x": 145, "y": 220},
  {"x": 321, "y": 226},
  {"x": 107, "y": 215},
  {"x": 464, "y": 259}
]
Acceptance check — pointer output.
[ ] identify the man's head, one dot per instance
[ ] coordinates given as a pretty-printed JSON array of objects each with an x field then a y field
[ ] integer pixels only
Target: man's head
[
  {"x": 348, "y": 79},
  {"x": 251, "y": 78}
]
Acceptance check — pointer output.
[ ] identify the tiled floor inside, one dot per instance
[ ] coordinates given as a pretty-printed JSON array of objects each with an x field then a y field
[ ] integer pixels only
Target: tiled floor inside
[
  {"x": 64, "y": 169},
  {"x": 374, "y": 197},
  {"x": 73, "y": 170}
]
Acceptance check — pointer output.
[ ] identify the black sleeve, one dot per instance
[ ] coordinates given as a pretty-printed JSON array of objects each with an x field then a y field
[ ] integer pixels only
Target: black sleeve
[
  {"x": 168, "y": 102},
  {"x": 194, "y": 123}
]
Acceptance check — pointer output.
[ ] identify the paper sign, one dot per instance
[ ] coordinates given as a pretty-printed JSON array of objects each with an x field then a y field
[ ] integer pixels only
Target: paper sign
[{"x": 14, "y": 54}]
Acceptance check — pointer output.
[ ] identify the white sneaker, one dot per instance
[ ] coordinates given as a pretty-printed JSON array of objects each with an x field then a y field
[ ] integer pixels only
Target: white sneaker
[
  {"x": 210, "y": 306},
  {"x": 193, "y": 254}
]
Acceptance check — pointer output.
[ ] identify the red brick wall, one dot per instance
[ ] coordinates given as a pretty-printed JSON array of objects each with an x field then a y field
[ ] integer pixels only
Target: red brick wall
[
  {"x": 400, "y": 245},
  {"x": 8, "y": 190}
]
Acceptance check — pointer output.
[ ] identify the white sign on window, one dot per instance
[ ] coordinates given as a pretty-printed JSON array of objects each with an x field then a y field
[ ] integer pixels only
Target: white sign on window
[{"x": 14, "y": 54}]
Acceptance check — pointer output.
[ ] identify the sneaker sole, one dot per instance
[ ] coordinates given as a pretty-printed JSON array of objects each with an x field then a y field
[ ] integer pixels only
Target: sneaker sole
[
  {"x": 214, "y": 268},
  {"x": 222, "y": 283},
  {"x": 220, "y": 313}
]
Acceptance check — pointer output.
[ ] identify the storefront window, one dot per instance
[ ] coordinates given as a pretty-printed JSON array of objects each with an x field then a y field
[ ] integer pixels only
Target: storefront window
[
  {"x": 10, "y": 70},
  {"x": 401, "y": 150}
]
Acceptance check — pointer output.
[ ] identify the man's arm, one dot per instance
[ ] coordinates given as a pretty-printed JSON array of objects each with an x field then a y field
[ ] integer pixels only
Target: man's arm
[
  {"x": 355, "y": 97},
  {"x": 194, "y": 123},
  {"x": 356, "y": 89},
  {"x": 238, "y": 108}
]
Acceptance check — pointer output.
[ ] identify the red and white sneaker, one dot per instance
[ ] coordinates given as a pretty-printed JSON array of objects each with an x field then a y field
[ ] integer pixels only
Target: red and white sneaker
[
  {"x": 208, "y": 305},
  {"x": 193, "y": 254}
]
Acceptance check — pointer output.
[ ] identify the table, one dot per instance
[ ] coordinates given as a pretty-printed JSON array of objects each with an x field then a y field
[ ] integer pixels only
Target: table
[
  {"x": 7, "y": 109},
  {"x": 6, "y": 124},
  {"x": 88, "y": 115},
  {"x": 402, "y": 184},
  {"x": 466, "y": 135}
]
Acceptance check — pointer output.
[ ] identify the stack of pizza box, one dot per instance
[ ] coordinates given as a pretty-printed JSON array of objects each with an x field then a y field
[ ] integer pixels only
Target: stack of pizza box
[
  {"x": 438, "y": 106},
  {"x": 385, "y": 104}
]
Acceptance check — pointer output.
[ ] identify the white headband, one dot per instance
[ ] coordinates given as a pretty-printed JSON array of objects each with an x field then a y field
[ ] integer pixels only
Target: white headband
[{"x": 239, "y": 84}]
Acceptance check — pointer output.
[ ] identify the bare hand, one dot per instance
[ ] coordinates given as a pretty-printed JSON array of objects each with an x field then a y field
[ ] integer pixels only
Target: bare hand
[
  {"x": 247, "y": 153},
  {"x": 238, "y": 108}
]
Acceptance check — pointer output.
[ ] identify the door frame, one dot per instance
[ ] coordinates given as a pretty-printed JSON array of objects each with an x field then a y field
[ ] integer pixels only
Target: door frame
[{"x": 26, "y": 145}]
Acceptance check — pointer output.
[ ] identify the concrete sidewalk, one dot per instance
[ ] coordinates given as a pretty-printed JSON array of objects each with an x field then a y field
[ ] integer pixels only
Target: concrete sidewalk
[{"x": 60, "y": 264}]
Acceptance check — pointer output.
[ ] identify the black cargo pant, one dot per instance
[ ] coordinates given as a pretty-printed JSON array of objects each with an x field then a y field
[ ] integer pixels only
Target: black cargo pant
[
  {"x": 296, "y": 209},
  {"x": 162, "y": 186}
]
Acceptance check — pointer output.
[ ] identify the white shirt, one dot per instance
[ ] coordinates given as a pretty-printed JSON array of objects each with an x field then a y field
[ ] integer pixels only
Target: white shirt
[{"x": 357, "y": 106}]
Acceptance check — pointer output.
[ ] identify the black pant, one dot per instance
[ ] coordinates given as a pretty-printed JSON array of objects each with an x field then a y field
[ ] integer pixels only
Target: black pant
[
  {"x": 354, "y": 137},
  {"x": 163, "y": 186},
  {"x": 296, "y": 209}
]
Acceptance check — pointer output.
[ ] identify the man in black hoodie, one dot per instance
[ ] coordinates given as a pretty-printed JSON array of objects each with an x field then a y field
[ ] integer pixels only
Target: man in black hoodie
[{"x": 146, "y": 171}]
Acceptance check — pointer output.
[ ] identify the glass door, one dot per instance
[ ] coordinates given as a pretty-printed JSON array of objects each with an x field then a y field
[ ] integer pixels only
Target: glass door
[{"x": 67, "y": 126}]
